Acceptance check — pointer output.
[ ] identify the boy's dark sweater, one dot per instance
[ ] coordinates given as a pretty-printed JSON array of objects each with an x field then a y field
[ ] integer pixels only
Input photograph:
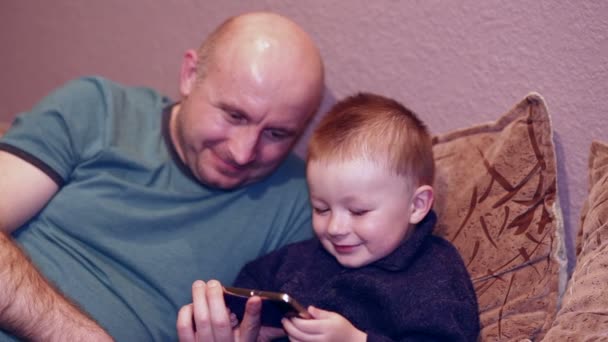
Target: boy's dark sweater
[{"x": 420, "y": 292}]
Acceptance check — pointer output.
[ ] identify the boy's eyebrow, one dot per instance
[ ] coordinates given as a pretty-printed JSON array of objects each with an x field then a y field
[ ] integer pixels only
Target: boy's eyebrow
[{"x": 353, "y": 200}]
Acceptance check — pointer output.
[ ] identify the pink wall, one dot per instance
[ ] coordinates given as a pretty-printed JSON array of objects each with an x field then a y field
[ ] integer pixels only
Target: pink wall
[{"x": 456, "y": 63}]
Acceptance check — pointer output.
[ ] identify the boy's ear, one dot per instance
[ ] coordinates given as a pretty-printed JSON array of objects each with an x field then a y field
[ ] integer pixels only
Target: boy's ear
[
  {"x": 422, "y": 202},
  {"x": 188, "y": 74}
]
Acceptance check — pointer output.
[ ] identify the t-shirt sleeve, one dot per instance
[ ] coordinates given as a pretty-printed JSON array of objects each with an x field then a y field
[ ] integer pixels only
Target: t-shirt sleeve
[{"x": 60, "y": 130}]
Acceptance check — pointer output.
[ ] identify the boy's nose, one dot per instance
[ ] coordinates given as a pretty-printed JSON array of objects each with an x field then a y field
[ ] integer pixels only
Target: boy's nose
[{"x": 337, "y": 225}]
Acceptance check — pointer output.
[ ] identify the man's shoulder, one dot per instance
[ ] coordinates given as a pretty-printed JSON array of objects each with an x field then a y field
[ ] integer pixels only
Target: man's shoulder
[
  {"x": 93, "y": 83},
  {"x": 290, "y": 174},
  {"x": 101, "y": 82},
  {"x": 107, "y": 89},
  {"x": 294, "y": 164}
]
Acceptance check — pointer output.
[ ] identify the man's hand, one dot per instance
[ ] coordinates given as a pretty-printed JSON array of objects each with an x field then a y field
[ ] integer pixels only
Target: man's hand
[
  {"x": 208, "y": 319},
  {"x": 324, "y": 326}
]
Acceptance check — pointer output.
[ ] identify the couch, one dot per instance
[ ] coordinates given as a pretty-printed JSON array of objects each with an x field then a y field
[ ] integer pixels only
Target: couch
[{"x": 498, "y": 202}]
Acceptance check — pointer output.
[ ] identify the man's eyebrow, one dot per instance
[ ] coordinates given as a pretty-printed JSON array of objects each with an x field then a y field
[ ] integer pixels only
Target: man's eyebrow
[
  {"x": 231, "y": 108},
  {"x": 234, "y": 109},
  {"x": 285, "y": 128}
]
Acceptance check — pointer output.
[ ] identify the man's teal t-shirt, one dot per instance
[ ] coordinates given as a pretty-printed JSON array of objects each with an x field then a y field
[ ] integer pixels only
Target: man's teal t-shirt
[{"x": 130, "y": 229}]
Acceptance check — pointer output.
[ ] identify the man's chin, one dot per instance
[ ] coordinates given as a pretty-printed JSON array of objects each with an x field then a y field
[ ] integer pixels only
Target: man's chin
[
  {"x": 219, "y": 180},
  {"x": 223, "y": 182}
]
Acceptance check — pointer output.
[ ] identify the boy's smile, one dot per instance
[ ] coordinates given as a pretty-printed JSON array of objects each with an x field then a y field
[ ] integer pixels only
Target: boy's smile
[{"x": 344, "y": 249}]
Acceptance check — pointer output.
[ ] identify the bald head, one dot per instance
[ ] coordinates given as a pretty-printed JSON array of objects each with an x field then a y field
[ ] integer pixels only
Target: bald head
[{"x": 263, "y": 41}]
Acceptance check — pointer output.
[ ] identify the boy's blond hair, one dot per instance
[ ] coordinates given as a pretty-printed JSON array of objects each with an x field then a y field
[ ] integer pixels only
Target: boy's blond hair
[{"x": 379, "y": 129}]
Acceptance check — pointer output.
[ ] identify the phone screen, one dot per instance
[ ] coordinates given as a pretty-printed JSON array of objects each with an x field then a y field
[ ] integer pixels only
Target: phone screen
[{"x": 275, "y": 305}]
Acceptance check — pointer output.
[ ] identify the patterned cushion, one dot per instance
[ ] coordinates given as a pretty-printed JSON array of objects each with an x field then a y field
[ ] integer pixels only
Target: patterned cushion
[
  {"x": 497, "y": 202},
  {"x": 584, "y": 312}
]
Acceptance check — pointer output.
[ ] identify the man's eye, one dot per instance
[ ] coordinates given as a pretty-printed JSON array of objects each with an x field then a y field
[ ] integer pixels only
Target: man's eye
[
  {"x": 235, "y": 117},
  {"x": 277, "y": 134}
]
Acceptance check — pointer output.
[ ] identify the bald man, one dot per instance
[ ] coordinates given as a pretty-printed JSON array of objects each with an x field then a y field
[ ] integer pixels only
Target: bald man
[{"x": 115, "y": 199}]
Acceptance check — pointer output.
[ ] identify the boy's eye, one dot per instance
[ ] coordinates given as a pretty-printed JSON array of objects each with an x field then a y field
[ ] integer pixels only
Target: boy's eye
[
  {"x": 320, "y": 211},
  {"x": 358, "y": 212}
]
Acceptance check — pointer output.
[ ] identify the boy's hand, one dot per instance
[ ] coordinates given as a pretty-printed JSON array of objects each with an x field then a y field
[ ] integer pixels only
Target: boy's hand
[{"x": 324, "y": 326}]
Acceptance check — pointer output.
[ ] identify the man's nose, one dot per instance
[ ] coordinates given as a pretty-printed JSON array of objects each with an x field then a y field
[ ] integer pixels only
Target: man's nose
[{"x": 243, "y": 147}]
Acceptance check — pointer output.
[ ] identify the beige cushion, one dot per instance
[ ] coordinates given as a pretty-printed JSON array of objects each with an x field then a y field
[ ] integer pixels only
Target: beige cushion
[
  {"x": 497, "y": 202},
  {"x": 584, "y": 312}
]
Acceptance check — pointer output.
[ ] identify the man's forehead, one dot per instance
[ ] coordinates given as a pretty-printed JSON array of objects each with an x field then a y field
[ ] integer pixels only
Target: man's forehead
[
  {"x": 258, "y": 87},
  {"x": 271, "y": 113}
]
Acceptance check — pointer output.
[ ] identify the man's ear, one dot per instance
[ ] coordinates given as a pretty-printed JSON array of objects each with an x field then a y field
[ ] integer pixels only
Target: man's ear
[
  {"x": 188, "y": 73},
  {"x": 422, "y": 202}
]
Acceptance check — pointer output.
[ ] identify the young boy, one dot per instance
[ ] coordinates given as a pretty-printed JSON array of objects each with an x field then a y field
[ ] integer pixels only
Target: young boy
[{"x": 374, "y": 272}]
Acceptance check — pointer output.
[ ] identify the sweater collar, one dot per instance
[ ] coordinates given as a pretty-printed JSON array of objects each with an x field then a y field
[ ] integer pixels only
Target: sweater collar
[{"x": 403, "y": 256}]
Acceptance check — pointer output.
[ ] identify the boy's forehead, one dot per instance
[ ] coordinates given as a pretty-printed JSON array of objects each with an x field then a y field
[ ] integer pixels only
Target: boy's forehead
[
  {"x": 360, "y": 163},
  {"x": 360, "y": 178},
  {"x": 356, "y": 165},
  {"x": 343, "y": 159}
]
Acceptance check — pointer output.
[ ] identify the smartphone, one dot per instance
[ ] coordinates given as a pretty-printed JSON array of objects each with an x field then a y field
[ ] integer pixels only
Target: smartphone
[{"x": 275, "y": 305}]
